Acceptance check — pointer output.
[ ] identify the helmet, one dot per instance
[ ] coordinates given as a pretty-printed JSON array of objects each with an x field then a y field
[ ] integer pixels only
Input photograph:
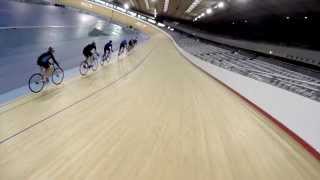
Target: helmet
[
  {"x": 93, "y": 43},
  {"x": 50, "y": 49},
  {"x": 110, "y": 41}
]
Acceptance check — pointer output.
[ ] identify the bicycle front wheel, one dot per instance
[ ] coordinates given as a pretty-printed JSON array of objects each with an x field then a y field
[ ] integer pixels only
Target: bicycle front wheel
[
  {"x": 84, "y": 68},
  {"x": 57, "y": 76},
  {"x": 36, "y": 83}
]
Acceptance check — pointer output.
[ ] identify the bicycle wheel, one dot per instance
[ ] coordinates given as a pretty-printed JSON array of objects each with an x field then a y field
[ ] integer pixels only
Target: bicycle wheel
[
  {"x": 36, "y": 83},
  {"x": 57, "y": 76},
  {"x": 95, "y": 64},
  {"x": 84, "y": 68}
]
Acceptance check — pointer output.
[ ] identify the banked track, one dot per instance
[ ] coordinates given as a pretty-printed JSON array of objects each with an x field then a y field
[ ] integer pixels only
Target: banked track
[{"x": 151, "y": 115}]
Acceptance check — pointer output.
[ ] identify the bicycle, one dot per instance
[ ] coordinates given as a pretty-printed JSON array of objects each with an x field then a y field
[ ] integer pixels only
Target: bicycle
[
  {"x": 106, "y": 58},
  {"x": 130, "y": 47},
  {"x": 37, "y": 81},
  {"x": 121, "y": 52},
  {"x": 85, "y": 66}
]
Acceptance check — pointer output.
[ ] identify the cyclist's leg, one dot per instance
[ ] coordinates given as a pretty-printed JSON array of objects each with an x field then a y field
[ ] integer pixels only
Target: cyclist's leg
[
  {"x": 108, "y": 54},
  {"x": 46, "y": 74},
  {"x": 87, "y": 56},
  {"x": 44, "y": 67},
  {"x": 104, "y": 55},
  {"x": 120, "y": 50},
  {"x": 50, "y": 69},
  {"x": 43, "y": 72},
  {"x": 90, "y": 61}
]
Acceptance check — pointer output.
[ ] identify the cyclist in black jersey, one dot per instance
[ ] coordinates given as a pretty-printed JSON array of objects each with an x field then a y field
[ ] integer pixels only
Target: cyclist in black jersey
[
  {"x": 123, "y": 46},
  {"x": 45, "y": 63},
  {"x": 89, "y": 51},
  {"x": 107, "y": 49}
]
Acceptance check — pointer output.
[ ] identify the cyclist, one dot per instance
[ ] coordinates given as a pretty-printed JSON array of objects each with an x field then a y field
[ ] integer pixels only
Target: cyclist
[
  {"x": 45, "y": 63},
  {"x": 89, "y": 51},
  {"x": 135, "y": 41},
  {"x": 123, "y": 46},
  {"x": 130, "y": 44},
  {"x": 107, "y": 49}
]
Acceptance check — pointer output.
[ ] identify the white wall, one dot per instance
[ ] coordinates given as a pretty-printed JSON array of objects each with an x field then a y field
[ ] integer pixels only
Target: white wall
[{"x": 301, "y": 115}]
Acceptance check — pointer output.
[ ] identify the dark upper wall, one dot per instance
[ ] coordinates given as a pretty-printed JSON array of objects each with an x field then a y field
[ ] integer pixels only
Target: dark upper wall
[
  {"x": 298, "y": 30},
  {"x": 299, "y": 55}
]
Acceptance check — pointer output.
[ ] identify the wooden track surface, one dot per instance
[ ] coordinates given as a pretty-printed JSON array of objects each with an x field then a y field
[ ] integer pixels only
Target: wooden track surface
[{"x": 150, "y": 115}]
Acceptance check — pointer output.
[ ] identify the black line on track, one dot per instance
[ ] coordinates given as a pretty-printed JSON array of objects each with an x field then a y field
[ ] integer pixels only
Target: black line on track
[{"x": 79, "y": 101}]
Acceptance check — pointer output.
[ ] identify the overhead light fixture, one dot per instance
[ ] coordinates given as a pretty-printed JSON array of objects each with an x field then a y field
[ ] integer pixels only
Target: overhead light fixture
[
  {"x": 166, "y": 6},
  {"x": 221, "y": 5},
  {"x": 155, "y": 13},
  {"x": 147, "y": 4},
  {"x": 192, "y": 6},
  {"x": 209, "y": 11},
  {"x": 151, "y": 21},
  {"x": 132, "y": 13},
  {"x": 126, "y": 6},
  {"x": 161, "y": 25},
  {"x": 132, "y": 3}
]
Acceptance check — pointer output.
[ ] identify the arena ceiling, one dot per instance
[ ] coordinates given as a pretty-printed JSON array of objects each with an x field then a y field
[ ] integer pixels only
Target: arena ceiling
[{"x": 222, "y": 10}]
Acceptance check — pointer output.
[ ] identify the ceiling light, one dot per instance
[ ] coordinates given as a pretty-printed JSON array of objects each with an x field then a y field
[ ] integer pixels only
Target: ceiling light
[
  {"x": 209, "y": 11},
  {"x": 166, "y": 6},
  {"x": 221, "y": 5},
  {"x": 193, "y": 5},
  {"x": 132, "y": 3},
  {"x": 155, "y": 13},
  {"x": 147, "y": 4},
  {"x": 152, "y": 21},
  {"x": 126, "y": 6},
  {"x": 161, "y": 25}
]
